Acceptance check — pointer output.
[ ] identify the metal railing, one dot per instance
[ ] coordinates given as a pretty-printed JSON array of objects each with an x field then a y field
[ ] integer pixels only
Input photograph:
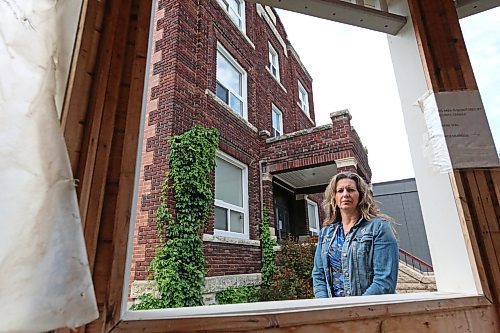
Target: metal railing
[{"x": 415, "y": 262}]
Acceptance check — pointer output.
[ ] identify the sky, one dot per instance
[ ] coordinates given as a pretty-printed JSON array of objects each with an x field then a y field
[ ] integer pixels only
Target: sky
[{"x": 351, "y": 69}]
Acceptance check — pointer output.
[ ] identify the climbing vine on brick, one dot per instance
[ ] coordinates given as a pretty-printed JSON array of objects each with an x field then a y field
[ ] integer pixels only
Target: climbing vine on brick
[
  {"x": 269, "y": 268},
  {"x": 179, "y": 264}
]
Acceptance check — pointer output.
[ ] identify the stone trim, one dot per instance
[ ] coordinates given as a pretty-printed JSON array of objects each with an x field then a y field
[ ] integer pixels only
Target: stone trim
[
  {"x": 346, "y": 162},
  {"x": 139, "y": 287},
  {"x": 340, "y": 113},
  {"x": 267, "y": 176},
  {"x": 296, "y": 55},
  {"x": 228, "y": 240},
  {"x": 275, "y": 79},
  {"x": 299, "y": 133},
  {"x": 215, "y": 284},
  {"x": 262, "y": 13}
]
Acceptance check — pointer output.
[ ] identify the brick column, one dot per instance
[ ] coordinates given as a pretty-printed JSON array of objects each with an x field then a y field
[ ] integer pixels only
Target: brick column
[
  {"x": 267, "y": 195},
  {"x": 341, "y": 118}
]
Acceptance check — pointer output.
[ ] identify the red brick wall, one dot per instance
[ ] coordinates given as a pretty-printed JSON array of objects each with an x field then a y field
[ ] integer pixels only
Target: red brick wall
[{"x": 229, "y": 259}]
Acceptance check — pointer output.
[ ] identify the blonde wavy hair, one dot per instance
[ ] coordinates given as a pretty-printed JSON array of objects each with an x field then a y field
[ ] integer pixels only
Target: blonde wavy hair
[{"x": 366, "y": 205}]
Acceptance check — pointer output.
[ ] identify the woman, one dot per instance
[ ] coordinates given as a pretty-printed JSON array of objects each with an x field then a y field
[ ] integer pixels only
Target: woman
[{"x": 357, "y": 252}]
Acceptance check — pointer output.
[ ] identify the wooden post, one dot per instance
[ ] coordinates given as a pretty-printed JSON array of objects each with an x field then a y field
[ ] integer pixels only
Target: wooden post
[{"x": 447, "y": 68}]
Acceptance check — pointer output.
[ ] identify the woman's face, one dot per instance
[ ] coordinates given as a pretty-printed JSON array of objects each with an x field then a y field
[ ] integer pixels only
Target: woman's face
[{"x": 347, "y": 195}]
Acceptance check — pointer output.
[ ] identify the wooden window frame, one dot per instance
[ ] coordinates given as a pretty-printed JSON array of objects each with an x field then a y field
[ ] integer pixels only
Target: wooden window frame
[{"x": 88, "y": 116}]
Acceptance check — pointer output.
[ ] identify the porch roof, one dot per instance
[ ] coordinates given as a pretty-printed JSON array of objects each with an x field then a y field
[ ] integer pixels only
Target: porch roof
[{"x": 309, "y": 158}]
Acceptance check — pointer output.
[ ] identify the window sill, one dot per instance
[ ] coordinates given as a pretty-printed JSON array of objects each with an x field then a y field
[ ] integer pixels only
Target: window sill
[
  {"x": 253, "y": 316},
  {"x": 240, "y": 118},
  {"x": 306, "y": 114},
  {"x": 230, "y": 240},
  {"x": 275, "y": 79}
]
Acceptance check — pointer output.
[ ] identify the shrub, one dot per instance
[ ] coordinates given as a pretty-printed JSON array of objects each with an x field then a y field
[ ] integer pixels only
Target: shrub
[
  {"x": 244, "y": 294},
  {"x": 293, "y": 280}
]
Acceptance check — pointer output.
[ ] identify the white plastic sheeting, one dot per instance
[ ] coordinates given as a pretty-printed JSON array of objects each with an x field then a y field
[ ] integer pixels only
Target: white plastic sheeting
[{"x": 45, "y": 282}]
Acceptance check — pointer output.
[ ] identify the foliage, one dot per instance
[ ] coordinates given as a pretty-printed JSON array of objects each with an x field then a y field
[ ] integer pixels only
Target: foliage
[
  {"x": 293, "y": 281},
  {"x": 148, "y": 301},
  {"x": 269, "y": 267},
  {"x": 243, "y": 294},
  {"x": 179, "y": 264}
]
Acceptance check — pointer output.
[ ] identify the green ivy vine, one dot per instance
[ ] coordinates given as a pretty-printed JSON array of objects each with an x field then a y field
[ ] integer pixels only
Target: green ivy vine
[
  {"x": 179, "y": 264},
  {"x": 269, "y": 268}
]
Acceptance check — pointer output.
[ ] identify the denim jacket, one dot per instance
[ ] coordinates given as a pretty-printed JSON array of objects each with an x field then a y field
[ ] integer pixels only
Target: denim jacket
[{"x": 370, "y": 259}]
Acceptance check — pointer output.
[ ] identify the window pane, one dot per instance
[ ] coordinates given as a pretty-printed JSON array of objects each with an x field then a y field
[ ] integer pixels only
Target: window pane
[
  {"x": 277, "y": 122},
  {"x": 228, "y": 75},
  {"x": 235, "y": 5},
  {"x": 311, "y": 210},
  {"x": 303, "y": 98},
  {"x": 228, "y": 183},
  {"x": 236, "y": 105},
  {"x": 222, "y": 93},
  {"x": 236, "y": 222},
  {"x": 220, "y": 218},
  {"x": 234, "y": 17}
]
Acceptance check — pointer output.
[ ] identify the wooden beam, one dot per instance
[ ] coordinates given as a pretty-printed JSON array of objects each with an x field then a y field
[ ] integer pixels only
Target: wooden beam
[
  {"x": 344, "y": 12},
  {"x": 128, "y": 163},
  {"x": 74, "y": 114},
  {"x": 106, "y": 92},
  {"x": 442, "y": 46},
  {"x": 336, "y": 319},
  {"x": 448, "y": 68}
]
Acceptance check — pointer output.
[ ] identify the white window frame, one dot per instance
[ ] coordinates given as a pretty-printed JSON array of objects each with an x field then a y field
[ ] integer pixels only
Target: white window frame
[
  {"x": 275, "y": 109},
  {"x": 313, "y": 229},
  {"x": 274, "y": 62},
  {"x": 303, "y": 98},
  {"x": 231, "y": 207},
  {"x": 244, "y": 82},
  {"x": 241, "y": 24}
]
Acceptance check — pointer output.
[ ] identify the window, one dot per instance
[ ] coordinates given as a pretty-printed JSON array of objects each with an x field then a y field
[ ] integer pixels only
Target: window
[
  {"x": 277, "y": 121},
  {"x": 303, "y": 99},
  {"x": 231, "y": 86},
  {"x": 236, "y": 11},
  {"x": 274, "y": 66},
  {"x": 231, "y": 197},
  {"x": 313, "y": 217}
]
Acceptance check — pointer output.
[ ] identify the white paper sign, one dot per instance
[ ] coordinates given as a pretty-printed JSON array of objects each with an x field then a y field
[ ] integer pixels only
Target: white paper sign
[{"x": 458, "y": 132}]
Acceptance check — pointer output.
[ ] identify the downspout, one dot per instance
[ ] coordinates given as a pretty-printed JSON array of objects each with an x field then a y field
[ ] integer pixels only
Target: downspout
[{"x": 261, "y": 163}]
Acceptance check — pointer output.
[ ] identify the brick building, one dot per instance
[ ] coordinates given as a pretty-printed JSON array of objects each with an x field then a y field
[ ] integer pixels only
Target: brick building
[{"x": 228, "y": 64}]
